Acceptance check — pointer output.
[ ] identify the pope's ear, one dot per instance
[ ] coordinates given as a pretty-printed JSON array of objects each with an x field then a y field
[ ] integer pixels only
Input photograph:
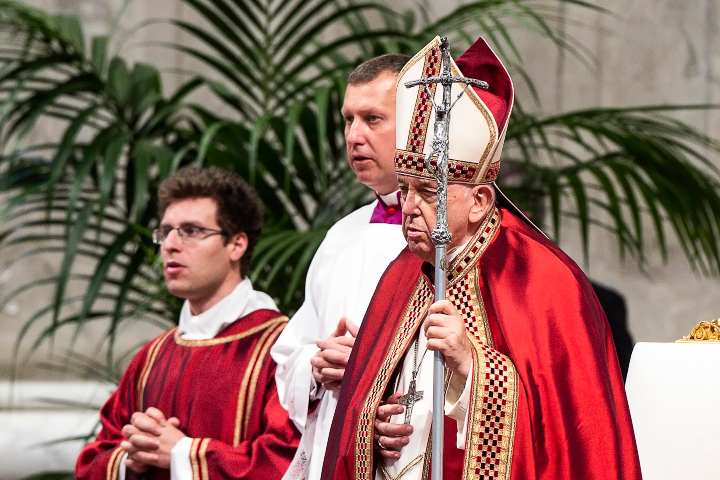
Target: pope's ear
[
  {"x": 237, "y": 244},
  {"x": 483, "y": 201}
]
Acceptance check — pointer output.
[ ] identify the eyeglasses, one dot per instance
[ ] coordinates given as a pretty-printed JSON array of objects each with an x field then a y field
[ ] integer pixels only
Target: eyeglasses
[{"x": 186, "y": 232}]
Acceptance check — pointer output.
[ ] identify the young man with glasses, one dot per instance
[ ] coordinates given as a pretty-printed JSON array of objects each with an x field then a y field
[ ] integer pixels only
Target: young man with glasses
[{"x": 200, "y": 401}]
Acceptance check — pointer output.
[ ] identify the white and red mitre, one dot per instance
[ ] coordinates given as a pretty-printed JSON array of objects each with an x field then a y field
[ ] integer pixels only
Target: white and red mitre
[{"x": 478, "y": 121}]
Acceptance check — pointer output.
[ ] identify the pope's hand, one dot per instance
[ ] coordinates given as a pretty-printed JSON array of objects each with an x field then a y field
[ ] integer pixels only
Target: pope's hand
[
  {"x": 149, "y": 438},
  {"x": 391, "y": 437},
  {"x": 445, "y": 331},
  {"x": 330, "y": 362}
]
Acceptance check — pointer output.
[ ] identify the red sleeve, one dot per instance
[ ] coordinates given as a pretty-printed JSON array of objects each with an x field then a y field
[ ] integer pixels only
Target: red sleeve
[
  {"x": 265, "y": 455},
  {"x": 101, "y": 458}
]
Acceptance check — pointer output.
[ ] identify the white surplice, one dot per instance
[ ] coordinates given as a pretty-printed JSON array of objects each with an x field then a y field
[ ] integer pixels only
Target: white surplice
[{"x": 340, "y": 283}]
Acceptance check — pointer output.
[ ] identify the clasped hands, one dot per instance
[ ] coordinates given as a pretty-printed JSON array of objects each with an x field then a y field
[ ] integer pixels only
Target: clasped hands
[
  {"x": 445, "y": 331},
  {"x": 149, "y": 438},
  {"x": 328, "y": 365}
]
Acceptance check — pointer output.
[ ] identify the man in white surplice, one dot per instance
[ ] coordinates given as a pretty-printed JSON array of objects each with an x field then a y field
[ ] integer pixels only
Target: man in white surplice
[{"x": 312, "y": 351}]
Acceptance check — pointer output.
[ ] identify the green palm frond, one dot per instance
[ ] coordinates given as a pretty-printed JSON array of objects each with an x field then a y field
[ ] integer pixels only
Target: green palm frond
[
  {"x": 86, "y": 197},
  {"x": 260, "y": 53},
  {"x": 632, "y": 170}
]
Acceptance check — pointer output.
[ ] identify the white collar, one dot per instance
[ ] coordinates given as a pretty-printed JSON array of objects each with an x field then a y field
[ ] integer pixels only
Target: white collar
[
  {"x": 238, "y": 303},
  {"x": 389, "y": 199}
]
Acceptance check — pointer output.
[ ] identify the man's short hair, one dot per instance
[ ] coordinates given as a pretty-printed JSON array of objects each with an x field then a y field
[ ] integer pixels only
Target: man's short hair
[
  {"x": 371, "y": 69},
  {"x": 238, "y": 207}
]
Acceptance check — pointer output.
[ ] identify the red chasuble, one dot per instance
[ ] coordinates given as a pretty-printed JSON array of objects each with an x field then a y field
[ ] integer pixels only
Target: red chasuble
[
  {"x": 223, "y": 392},
  {"x": 547, "y": 398}
]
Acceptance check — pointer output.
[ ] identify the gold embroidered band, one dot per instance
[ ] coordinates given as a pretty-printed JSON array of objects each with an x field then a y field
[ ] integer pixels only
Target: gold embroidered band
[
  {"x": 113, "y": 466},
  {"x": 413, "y": 316},
  {"x": 413, "y": 164},
  {"x": 423, "y": 102},
  {"x": 272, "y": 329},
  {"x": 149, "y": 362},
  {"x": 491, "y": 416},
  {"x": 263, "y": 347},
  {"x": 229, "y": 338}
]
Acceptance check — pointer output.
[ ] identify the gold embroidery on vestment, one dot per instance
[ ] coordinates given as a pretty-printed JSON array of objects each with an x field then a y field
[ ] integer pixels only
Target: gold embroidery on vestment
[
  {"x": 412, "y": 318},
  {"x": 149, "y": 362},
  {"x": 203, "y": 460},
  {"x": 264, "y": 345},
  {"x": 427, "y": 464},
  {"x": 386, "y": 475},
  {"x": 229, "y": 338},
  {"x": 241, "y": 410},
  {"x": 472, "y": 252},
  {"x": 193, "y": 458},
  {"x": 491, "y": 416},
  {"x": 492, "y": 412},
  {"x": 113, "y": 466}
]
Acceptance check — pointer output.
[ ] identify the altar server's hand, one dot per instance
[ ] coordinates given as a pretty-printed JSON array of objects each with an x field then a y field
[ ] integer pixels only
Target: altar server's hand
[
  {"x": 149, "y": 439},
  {"x": 445, "y": 331},
  {"x": 130, "y": 449},
  {"x": 140, "y": 438},
  {"x": 329, "y": 363},
  {"x": 391, "y": 437}
]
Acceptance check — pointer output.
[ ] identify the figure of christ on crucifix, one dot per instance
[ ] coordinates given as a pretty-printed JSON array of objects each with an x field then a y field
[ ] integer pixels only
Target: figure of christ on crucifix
[{"x": 409, "y": 399}]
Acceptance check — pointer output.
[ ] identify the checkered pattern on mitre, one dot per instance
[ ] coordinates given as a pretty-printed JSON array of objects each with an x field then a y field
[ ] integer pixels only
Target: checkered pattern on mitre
[{"x": 478, "y": 121}]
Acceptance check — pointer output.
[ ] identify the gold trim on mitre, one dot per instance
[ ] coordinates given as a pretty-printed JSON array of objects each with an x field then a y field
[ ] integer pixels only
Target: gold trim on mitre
[
  {"x": 415, "y": 122},
  {"x": 705, "y": 331}
]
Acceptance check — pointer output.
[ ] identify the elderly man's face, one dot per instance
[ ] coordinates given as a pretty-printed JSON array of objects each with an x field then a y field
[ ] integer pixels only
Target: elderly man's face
[
  {"x": 369, "y": 113},
  {"x": 467, "y": 207}
]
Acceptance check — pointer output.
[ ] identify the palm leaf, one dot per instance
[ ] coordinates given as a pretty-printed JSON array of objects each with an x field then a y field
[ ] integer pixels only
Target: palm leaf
[{"x": 638, "y": 160}]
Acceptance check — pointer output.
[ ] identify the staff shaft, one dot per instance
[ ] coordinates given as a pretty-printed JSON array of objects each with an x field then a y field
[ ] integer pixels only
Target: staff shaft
[{"x": 438, "y": 422}]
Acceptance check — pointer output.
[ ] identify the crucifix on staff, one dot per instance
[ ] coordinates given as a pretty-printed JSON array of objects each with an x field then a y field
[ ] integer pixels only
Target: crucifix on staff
[{"x": 437, "y": 162}]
